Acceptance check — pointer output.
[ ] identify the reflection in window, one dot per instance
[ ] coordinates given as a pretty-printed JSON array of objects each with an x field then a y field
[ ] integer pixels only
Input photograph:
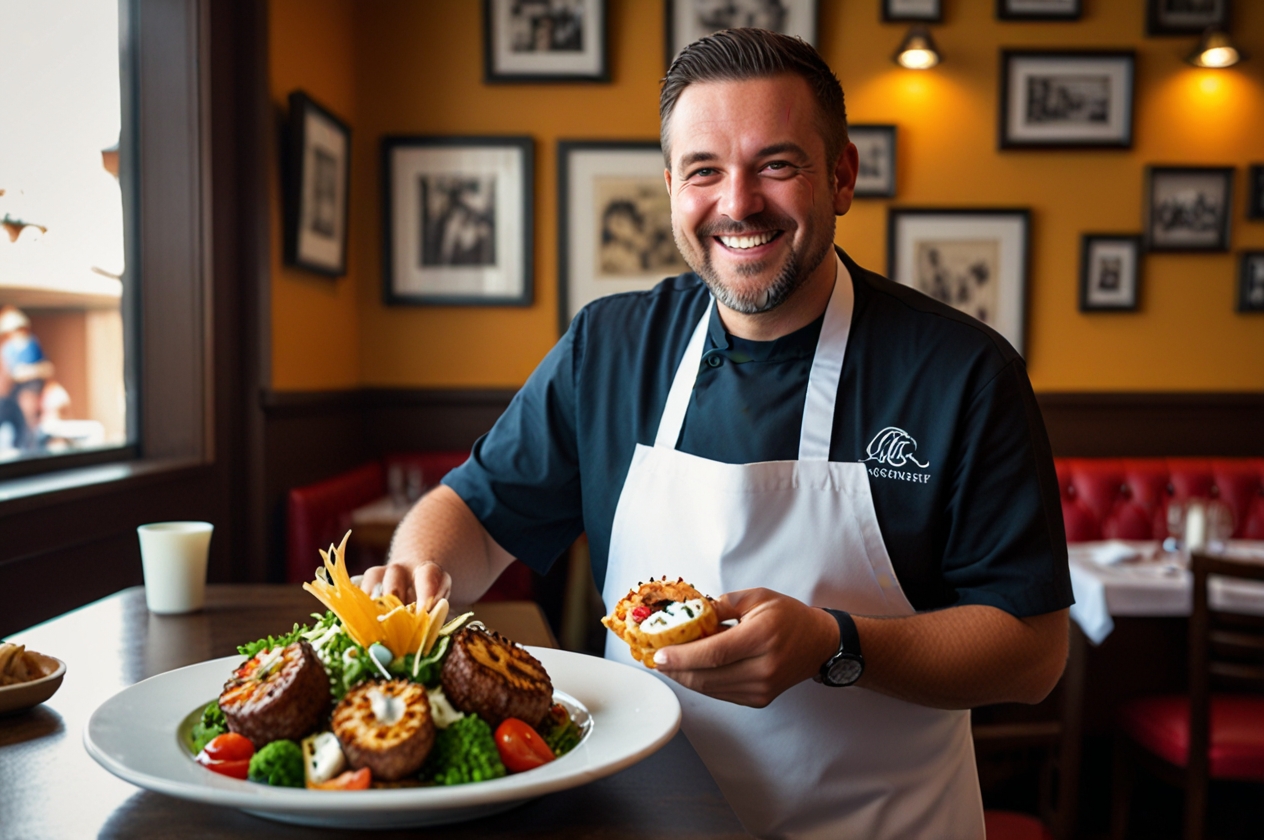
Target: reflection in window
[{"x": 61, "y": 229}]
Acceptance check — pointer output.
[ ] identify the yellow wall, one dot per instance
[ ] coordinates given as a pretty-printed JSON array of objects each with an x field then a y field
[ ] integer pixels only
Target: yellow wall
[
  {"x": 315, "y": 322},
  {"x": 416, "y": 68}
]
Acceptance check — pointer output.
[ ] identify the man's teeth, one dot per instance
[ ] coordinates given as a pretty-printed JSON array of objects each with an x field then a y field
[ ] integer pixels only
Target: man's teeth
[{"x": 747, "y": 241}]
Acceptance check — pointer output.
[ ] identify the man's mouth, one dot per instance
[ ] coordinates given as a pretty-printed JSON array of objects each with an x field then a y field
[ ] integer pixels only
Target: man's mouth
[{"x": 748, "y": 240}]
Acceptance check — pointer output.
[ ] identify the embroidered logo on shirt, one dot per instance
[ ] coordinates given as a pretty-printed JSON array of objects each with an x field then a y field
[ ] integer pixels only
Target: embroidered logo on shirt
[{"x": 894, "y": 447}]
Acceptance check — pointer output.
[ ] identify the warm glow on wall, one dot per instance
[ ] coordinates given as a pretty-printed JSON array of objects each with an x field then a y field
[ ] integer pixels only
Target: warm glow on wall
[{"x": 402, "y": 67}]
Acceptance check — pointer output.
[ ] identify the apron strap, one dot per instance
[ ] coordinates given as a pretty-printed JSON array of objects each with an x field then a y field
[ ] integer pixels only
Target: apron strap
[
  {"x": 827, "y": 369},
  {"x": 673, "y": 419}
]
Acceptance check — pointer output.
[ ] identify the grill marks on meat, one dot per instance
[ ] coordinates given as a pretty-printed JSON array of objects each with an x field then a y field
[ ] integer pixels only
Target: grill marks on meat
[
  {"x": 287, "y": 702},
  {"x": 488, "y": 675},
  {"x": 392, "y": 750}
]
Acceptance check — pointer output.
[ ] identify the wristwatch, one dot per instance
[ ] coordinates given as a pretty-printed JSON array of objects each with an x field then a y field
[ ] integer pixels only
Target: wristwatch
[{"x": 845, "y": 666}]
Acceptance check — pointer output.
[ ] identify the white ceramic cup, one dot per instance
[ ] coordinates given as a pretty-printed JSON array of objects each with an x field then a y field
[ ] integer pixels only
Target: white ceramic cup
[{"x": 173, "y": 555}]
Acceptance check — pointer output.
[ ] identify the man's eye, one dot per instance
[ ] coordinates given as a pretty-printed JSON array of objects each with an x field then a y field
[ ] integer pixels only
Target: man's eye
[
  {"x": 778, "y": 165},
  {"x": 704, "y": 172}
]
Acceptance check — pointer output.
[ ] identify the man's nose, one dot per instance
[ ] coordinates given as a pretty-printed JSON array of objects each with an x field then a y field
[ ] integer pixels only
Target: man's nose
[{"x": 741, "y": 197}]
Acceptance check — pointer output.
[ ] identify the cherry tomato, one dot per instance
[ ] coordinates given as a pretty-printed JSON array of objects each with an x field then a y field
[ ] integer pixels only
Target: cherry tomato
[
  {"x": 228, "y": 754},
  {"x": 348, "y": 780},
  {"x": 520, "y": 746},
  {"x": 235, "y": 769},
  {"x": 640, "y": 613},
  {"x": 229, "y": 747}
]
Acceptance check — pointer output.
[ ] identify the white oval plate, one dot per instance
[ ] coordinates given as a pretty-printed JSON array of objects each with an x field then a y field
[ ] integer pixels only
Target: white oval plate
[{"x": 134, "y": 735}]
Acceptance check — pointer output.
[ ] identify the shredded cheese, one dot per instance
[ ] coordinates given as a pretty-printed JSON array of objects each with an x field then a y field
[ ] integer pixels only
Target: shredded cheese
[{"x": 385, "y": 620}]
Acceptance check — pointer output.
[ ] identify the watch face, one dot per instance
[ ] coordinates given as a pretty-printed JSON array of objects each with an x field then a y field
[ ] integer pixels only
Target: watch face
[{"x": 845, "y": 671}]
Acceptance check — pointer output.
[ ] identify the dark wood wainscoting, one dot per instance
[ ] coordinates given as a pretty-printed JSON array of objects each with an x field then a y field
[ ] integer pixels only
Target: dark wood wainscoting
[
  {"x": 1154, "y": 425},
  {"x": 60, "y": 553}
]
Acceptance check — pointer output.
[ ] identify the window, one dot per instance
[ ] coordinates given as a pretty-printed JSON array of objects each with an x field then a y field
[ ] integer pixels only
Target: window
[{"x": 63, "y": 365}]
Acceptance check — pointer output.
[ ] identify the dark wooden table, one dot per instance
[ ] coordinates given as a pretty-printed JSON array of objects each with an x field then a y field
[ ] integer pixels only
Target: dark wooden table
[{"x": 50, "y": 788}]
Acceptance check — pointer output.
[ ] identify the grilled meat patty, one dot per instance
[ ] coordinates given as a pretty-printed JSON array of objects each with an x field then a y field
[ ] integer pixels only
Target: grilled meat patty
[
  {"x": 270, "y": 698},
  {"x": 385, "y": 726},
  {"x": 490, "y": 676}
]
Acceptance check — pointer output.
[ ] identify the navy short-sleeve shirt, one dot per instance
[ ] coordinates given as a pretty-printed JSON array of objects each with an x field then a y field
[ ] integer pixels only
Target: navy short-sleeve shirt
[{"x": 936, "y": 405}]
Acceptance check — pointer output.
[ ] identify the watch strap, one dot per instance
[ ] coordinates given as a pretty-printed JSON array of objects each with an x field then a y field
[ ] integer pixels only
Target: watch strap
[{"x": 848, "y": 635}]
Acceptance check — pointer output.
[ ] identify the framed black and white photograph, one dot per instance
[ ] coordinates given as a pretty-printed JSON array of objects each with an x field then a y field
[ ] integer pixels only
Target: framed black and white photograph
[
  {"x": 875, "y": 145},
  {"x": 458, "y": 220},
  {"x": 1054, "y": 100},
  {"x": 1255, "y": 199},
  {"x": 689, "y": 20},
  {"x": 1185, "y": 17},
  {"x": 1188, "y": 208},
  {"x": 1251, "y": 282},
  {"x": 614, "y": 226},
  {"x": 1039, "y": 9},
  {"x": 1110, "y": 272},
  {"x": 927, "y": 11},
  {"x": 976, "y": 261},
  {"x": 545, "y": 41},
  {"x": 318, "y": 175}
]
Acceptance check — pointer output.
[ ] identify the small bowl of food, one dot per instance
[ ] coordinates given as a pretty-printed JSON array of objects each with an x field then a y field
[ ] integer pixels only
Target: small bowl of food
[{"x": 27, "y": 678}]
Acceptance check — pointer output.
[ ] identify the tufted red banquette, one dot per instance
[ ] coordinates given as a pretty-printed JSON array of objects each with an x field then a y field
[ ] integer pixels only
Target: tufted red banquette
[{"x": 1127, "y": 498}]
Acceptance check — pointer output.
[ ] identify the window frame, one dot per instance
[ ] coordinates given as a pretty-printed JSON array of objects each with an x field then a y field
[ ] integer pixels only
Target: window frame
[{"x": 167, "y": 290}]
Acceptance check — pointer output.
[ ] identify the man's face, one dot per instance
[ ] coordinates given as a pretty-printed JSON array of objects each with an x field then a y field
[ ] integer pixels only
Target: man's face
[{"x": 753, "y": 198}]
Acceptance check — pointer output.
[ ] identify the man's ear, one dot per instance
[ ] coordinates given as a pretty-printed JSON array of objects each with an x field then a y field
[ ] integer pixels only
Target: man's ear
[
  {"x": 667, "y": 179},
  {"x": 845, "y": 171}
]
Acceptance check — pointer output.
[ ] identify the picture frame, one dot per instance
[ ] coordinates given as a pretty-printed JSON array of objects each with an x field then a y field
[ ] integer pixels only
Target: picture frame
[
  {"x": 545, "y": 41},
  {"x": 1185, "y": 17},
  {"x": 1255, "y": 196},
  {"x": 923, "y": 11},
  {"x": 614, "y": 221},
  {"x": 974, "y": 259},
  {"x": 1110, "y": 271},
  {"x": 1251, "y": 282},
  {"x": 1055, "y": 99},
  {"x": 875, "y": 145},
  {"x": 1188, "y": 208},
  {"x": 688, "y": 20},
  {"x": 317, "y": 187},
  {"x": 457, "y": 220},
  {"x": 1036, "y": 10}
]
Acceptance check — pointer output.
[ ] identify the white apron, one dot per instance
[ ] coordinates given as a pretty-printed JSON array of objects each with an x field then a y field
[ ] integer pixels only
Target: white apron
[{"x": 817, "y": 762}]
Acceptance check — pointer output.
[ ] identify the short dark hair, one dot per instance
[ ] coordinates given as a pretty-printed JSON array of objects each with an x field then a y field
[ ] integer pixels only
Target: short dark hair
[{"x": 734, "y": 55}]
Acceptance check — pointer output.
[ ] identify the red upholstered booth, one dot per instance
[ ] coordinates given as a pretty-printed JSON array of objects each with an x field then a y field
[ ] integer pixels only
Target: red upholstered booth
[
  {"x": 1127, "y": 498},
  {"x": 319, "y": 514}
]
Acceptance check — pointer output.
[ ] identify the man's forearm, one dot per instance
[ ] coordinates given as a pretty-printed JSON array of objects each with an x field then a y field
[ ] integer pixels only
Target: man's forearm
[
  {"x": 964, "y": 656},
  {"x": 441, "y": 529}
]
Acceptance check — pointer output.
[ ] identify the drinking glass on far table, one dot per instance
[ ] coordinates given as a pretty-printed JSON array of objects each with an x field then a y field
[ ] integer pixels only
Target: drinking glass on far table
[{"x": 1219, "y": 524}]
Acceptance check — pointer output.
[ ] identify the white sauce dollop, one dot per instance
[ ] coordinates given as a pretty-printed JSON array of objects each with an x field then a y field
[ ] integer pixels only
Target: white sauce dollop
[
  {"x": 673, "y": 615},
  {"x": 386, "y": 708},
  {"x": 441, "y": 709}
]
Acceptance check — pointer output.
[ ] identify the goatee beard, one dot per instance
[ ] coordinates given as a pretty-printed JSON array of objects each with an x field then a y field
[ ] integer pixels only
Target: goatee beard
[{"x": 788, "y": 280}]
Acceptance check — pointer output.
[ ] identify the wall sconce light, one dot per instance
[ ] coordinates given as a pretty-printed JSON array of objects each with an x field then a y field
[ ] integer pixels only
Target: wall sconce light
[
  {"x": 1215, "y": 50},
  {"x": 917, "y": 51}
]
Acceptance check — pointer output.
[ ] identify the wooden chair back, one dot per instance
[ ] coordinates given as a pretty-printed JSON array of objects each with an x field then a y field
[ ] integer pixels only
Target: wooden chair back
[{"x": 1226, "y": 652}]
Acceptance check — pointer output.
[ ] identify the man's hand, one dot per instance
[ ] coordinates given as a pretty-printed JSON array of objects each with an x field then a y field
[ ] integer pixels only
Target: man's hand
[
  {"x": 425, "y": 582},
  {"x": 954, "y": 658},
  {"x": 778, "y": 642},
  {"x": 440, "y": 550}
]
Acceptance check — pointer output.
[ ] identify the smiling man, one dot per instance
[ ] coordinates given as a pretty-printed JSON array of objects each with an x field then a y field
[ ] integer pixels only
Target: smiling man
[{"x": 861, "y": 471}]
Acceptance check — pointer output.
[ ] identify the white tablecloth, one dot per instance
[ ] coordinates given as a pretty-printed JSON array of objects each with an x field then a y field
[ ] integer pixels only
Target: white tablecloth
[
  {"x": 384, "y": 511},
  {"x": 1155, "y": 584}
]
